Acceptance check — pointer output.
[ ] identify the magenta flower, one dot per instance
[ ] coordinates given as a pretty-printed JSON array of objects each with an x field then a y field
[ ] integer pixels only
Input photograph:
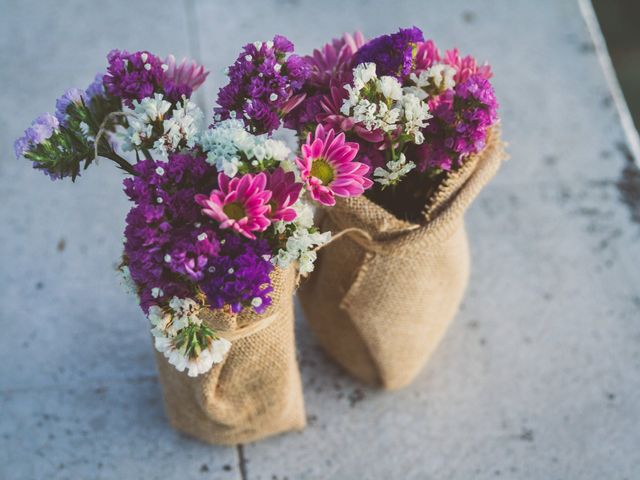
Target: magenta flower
[
  {"x": 465, "y": 67},
  {"x": 284, "y": 193},
  {"x": 426, "y": 55},
  {"x": 333, "y": 62},
  {"x": 241, "y": 203},
  {"x": 188, "y": 72},
  {"x": 327, "y": 167}
]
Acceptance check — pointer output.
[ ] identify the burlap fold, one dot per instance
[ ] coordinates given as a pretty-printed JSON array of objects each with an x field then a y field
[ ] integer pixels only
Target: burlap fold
[
  {"x": 380, "y": 301},
  {"x": 256, "y": 391}
]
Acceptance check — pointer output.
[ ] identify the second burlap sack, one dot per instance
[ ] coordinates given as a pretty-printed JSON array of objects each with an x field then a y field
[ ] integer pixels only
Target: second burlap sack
[
  {"x": 256, "y": 391},
  {"x": 384, "y": 293}
]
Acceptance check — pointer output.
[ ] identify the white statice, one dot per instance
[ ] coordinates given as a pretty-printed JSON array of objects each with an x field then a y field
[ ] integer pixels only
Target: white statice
[
  {"x": 168, "y": 330},
  {"x": 228, "y": 146},
  {"x": 435, "y": 79},
  {"x": 302, "y": 243},
  {"x": 382, "y": 104},
  {"x": 152, "y": 124},
  {"x": 390, "y": 88},
  {"x": 212, "y": 354},
  {"x": 395, "y": 170},
  {"x": 416, "y": 114},
  {"x": 182, "y": 129},
  {"x": 142, "y": 118}
]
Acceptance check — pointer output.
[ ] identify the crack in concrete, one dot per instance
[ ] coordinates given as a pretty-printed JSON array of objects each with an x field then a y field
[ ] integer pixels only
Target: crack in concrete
[{"x": 242, "y": 462}]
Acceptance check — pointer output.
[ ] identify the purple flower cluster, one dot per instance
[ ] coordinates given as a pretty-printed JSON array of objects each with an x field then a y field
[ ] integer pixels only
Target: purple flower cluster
[
  {"x": 73, "y": 95},
  {"x": 41, "y": 129},
  {"x": 392, "y": 54},
  {"x": 134, "y": 76},
  {"x": 172, "y": 249},
  {"x": 263, "y": 83},
  {"x": 239, "y": 275},
  {"x": 462, "y": 117}
]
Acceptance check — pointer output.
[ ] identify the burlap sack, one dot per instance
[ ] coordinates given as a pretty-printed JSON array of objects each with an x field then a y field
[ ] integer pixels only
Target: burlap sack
[
  {"x": 256, "y": 391},
  {"x": 380, "y": 305}
]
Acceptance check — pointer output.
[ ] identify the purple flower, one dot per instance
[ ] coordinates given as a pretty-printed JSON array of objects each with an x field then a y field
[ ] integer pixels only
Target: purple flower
[
  {"x": 239, "y": 275},
  {"x": 134, "y": 76},
  {"x": 41, "y": 129},
  {"x": 461, "y": 118},
  {"x": 73, "y": 95},
  {"x": 95, "y": 89},
  {"x": 392, "y": 54},
  {"x": 173, "y": 249},
  {"x": 263, "y": 83}
]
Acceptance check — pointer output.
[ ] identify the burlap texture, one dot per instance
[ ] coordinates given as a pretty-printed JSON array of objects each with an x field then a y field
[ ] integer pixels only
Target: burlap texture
[
  {"x": 256, "y": 391},
  {"x": 380, "y": 306}
]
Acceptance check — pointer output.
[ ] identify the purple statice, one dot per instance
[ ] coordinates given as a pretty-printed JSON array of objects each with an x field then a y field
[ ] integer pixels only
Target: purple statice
[
  {"x": 459, "y": 126},
  {"x": 239, "y": 275},
  {"x": 392, "y": 54},
  {"x": 73, "y": 95},
  {"x": 95, "y": 89},
  {"x": 168, "y": 240},
  {"x": 263, "y": 84},
  {"x": 173, "y": 249},
  {"x": 134, "y": 76},
  {"x": 41, "y": 129}
]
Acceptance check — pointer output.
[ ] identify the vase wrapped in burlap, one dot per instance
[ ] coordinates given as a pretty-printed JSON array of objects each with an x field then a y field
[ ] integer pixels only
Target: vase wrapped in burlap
[
  {"x": 256, "y": 391},
  {"x": 383, "y": 294}
]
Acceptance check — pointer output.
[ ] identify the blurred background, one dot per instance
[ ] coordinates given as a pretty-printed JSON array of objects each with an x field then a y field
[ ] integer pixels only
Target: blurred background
[{"x": 619, "y": 23}]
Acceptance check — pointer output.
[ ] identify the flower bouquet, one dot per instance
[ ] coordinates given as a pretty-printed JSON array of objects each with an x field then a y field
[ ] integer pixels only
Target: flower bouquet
[
  {"x": 221, "y": 226},
  {"x": 426, "y": 125}
]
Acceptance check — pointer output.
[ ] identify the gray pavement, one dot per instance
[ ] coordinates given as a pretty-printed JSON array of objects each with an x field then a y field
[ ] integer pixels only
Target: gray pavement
[{"x": 536, "y": 379}]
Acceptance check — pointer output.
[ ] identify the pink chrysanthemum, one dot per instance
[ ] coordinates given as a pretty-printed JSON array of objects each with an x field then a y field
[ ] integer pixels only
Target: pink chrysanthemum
[
  {"x": 241, "y": 204},
  {"x": 466, "y": 66},
  {"x": 332, "y": 62},
  {"x": 187, "y": 73},
  {"x": 328, "y": 169},
  {"x": 284, "y": 193}
]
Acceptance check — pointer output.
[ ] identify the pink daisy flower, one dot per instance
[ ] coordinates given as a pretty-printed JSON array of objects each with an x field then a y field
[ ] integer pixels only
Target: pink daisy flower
[
  {"x": 284, "y": 193},
  {"x": 241, "y": 203},
  {"x": 327, "y": 167},
  {"x": 332, "y": 62},
  {"x": 187, "y": 73},
  {"x": 426, "y": 55}
]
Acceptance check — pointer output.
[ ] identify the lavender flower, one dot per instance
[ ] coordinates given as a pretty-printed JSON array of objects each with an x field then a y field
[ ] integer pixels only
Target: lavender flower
[
  {"x": 73, "y": 95},
  {"x": 392, "y": 54},
  {"x": 95, "y": 89},
  {"x": 263, "y": 83}
]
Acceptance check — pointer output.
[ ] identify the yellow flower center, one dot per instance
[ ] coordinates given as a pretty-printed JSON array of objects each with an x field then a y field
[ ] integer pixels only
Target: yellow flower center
[
  {"x": 323, "y": 171},
  {"x": 234, "y": 210}
]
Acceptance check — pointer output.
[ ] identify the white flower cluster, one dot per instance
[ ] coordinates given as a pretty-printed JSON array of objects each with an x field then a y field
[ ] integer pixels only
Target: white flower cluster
[
  {"x": 302, "y": 243},
  {"x": 379, "y": 103},
  {"x": 148, "y": 127},
  {"x": 435, "y": 79},
  {"x": 169, "y": 325},
  {"x": 228, "y": 145},
  {"x": 396, "y": 169}
]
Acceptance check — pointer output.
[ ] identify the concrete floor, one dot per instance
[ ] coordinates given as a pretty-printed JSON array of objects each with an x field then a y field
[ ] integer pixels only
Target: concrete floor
[{"x": 537, "y": 378}]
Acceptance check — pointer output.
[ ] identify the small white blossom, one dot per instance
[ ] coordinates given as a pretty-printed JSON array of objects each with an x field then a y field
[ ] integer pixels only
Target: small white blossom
[
  {"x": 438, "y": 77},
  {"x": 396, "y": 169},
  {"x": 390, "y": 87},
  {"x": 416, "y": 113},
  {"x": 363, "y": 73}
]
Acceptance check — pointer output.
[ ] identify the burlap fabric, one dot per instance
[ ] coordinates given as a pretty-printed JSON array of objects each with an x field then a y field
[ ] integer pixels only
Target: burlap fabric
[
  {"x": 380, "y": 305},
  {"x": 256, "y": 391}
]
